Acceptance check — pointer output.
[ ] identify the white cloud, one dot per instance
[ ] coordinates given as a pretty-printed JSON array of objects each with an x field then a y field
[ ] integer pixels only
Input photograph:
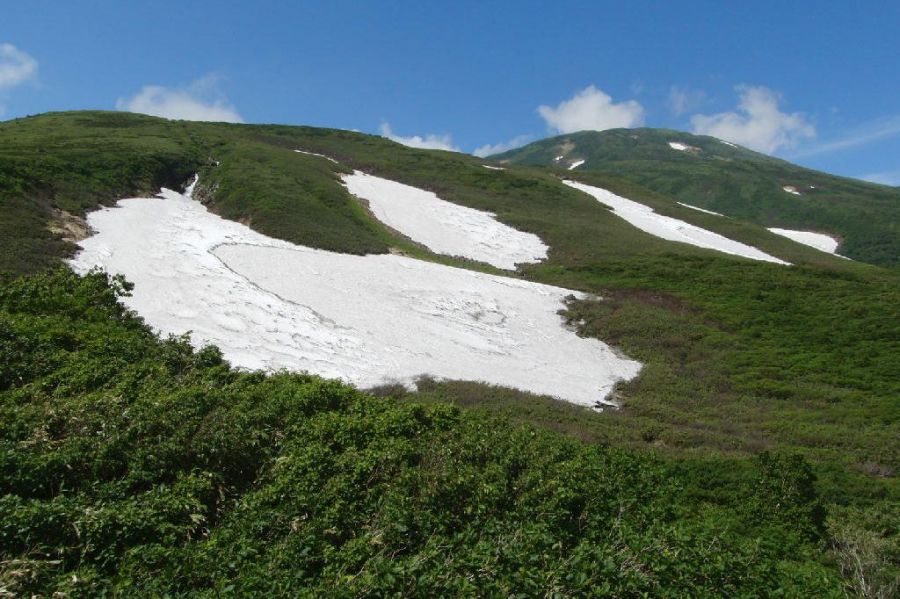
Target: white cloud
[
  {"x": 429, "y": 142},
  {"x": 758, "y": 124},
  {"x": 503, "y": 146},
  {"x": 16, "y": 67},
  {"x": 684, "y": 99},
  {"x": 591, "y": 109},
  {"x": 200, "y": 101}
]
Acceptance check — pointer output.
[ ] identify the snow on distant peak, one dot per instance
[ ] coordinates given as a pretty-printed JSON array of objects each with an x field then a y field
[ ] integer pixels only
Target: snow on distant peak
[
  {"x": 445, "y": 227},
  {"x": 728, "y": 143},
  {"x": 369, "y": 320},
  {"x": 576, "y": 164},
  {"x": 820, "y": 241},
  {"x": 644, "y": 218}
]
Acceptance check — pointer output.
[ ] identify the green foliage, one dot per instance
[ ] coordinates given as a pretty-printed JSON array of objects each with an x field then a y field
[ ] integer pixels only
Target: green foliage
[
  {"x": 153, "y": 450},
  {"x": 135, "y": 466},
  {"x": 75, "y": 162}
]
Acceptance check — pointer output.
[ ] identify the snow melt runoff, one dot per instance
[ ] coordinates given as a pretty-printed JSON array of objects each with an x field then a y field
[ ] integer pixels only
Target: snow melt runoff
[{"x": 369, "y": 320}]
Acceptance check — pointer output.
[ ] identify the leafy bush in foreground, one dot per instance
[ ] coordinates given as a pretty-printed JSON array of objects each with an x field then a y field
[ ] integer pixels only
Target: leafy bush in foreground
[{"x": 137, "y": 466}]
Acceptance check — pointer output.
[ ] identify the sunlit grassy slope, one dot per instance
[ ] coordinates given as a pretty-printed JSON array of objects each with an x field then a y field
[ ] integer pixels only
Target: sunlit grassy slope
[{"x": 740, "y": 356}]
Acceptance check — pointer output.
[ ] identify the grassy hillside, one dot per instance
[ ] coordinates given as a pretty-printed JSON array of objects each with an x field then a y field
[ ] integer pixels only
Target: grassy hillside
[
  {"x": 740, "y": 357},
  {"x": 74, "y": 163},
  {"x": 137, "y": 467},
  {"x": 736, "y": 182}
]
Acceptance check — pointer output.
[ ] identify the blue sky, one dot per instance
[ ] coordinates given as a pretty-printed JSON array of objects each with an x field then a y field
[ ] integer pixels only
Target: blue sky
[{"x": 817, "y": 83}]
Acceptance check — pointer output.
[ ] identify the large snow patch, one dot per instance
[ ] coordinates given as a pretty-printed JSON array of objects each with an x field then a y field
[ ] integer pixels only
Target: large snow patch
[
  {"x": 644, "y": 218},
  {"x": 269, "y": 304},
  {"x": 444, "y": 227}
]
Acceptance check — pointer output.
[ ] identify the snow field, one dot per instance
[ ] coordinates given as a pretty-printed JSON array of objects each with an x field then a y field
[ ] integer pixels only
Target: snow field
[
  {"x": 444, "y": 227},
  {"x": 268, "y": 304},
  {"x": 644, "y": 218}
]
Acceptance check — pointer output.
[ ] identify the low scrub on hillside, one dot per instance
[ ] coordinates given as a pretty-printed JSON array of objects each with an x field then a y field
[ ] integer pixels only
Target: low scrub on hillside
[{"x": 137, "y": 466}]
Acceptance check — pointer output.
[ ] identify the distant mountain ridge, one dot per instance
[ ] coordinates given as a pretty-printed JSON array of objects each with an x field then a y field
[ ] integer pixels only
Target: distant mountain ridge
[{"x": 717, "y": 175}]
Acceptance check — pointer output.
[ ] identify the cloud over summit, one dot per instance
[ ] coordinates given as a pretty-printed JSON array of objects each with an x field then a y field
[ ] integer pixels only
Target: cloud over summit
[
  {"x": 429, "y": 142},
  {"x": 200, "y": 101},
  {"x": 592, "y": 109},
  {"x": 758, "y": 123}
]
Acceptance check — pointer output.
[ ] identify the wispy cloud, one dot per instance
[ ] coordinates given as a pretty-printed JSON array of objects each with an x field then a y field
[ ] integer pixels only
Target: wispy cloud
[
  {"x": 429, "y": 142},
  {"x": 891, "y": 178},
  {"x": 503, "y": 146},
  {"x": 758, "y": 123},
  {"x": 16, "y": 66},
  {"x": 860, "y": 136},
  {"x": 592, "y": 109},
  {"x": 684, "y": 99},
  {"x": 202, "y": 100}
]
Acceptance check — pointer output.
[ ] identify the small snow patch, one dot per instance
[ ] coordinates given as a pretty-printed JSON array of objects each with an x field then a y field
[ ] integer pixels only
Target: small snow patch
[
  {"x": 677, "y": 145},
  {"x": 820, "y": 241},
  {"x": 699, "y": 209},
  {"x": 792, "y": 190},
  {"x": 728, "y": 143},
  {"x": 493, "y": 168},
  {"x": 444, "y": 227},
  {"x": 576, "y": 164},
  {"x": 558, "y": 158},
  {"x": 317, "y": 155},
  {"x": 644, "y": 218}
]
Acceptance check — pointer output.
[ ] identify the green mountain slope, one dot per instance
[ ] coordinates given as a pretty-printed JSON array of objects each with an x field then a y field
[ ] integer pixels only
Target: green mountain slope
[
  {"x": 137, "y": 467},
  {"x": 740, "y": 357},
  {"x": 734, "y": 181}
]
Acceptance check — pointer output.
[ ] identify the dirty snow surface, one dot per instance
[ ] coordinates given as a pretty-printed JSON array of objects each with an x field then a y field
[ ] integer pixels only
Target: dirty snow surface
[
  {"x": 644, "y": 218},
  {"x": 819, "y": 241},
  {"x": 700, "y": 209},
  {"x": 444, "y": 227},
  {"x": 269, "y": 304}
]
